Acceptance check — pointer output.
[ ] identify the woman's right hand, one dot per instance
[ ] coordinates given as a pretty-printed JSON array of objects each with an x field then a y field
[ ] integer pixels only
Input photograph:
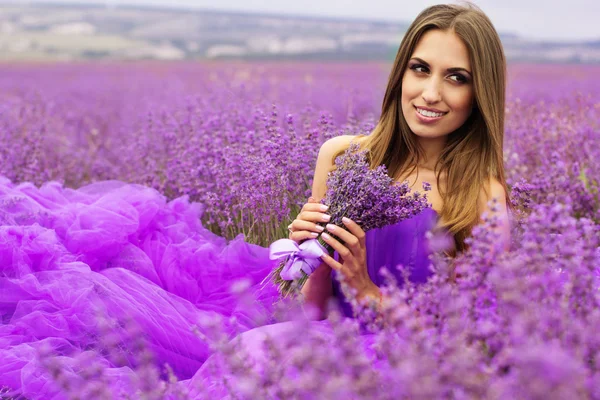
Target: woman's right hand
[{"x": 305, "y": 225}]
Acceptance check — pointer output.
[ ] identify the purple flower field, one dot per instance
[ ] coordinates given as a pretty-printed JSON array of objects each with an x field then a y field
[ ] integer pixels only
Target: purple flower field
[
  {"x": 232, "y": 148},
  {"x": 240, "y": 137}
]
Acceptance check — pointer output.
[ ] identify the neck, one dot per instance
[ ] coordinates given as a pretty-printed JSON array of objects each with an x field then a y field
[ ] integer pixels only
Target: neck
[{"x": 432, "y": 148}]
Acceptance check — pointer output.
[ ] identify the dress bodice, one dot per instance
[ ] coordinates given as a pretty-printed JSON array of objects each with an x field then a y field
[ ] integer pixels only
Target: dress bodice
[{"x": 403, "y": 243}]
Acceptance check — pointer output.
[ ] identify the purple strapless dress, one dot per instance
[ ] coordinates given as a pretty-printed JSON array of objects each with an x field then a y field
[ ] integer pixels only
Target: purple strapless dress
[
  {"x": 403, "y": 244},
  {"x": 123, "y": 252}
]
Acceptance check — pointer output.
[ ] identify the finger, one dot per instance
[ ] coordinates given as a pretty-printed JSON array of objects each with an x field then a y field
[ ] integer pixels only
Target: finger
[
  {"x": 354, "y": 229},
  {"x": 327, "y": 259},
  {"x": 314, "y": 207},
  {"x": 300, "y": 225},
  {"x": 302, "y": 235},
  {"x": 342, "y": 250},
  {"x": 314, "y": 216},
  {"x": 346, "y": 274},
  {"x": 346, "y": 237}
]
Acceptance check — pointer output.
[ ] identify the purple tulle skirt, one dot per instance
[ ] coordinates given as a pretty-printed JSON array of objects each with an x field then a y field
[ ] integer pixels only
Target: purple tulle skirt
[{"x": 89, "y": 274}]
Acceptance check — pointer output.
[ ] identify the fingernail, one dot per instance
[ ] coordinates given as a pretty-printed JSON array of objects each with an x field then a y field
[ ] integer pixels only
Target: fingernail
[
  {"x": 314, "y": 234},
  {"x": 319, "y": 228},
  {"x": 330, "y": 227},
  {"x": 324, "y": 207},
  {"x": 326, "y": 217},
  {"x": 325, "y": 236},
  {"x": 345, "y": 220}
]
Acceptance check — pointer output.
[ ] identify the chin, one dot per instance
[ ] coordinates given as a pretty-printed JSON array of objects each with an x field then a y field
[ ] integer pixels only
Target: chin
[
  {"x": 429, "y": 133},
  {"x": 431, "y": 136}
]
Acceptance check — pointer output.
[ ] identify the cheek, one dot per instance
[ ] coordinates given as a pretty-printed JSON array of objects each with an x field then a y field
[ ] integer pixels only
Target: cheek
[
  {"x": 461, "y": 101},
  {"x": 409, "y": 89},
  {"x": 409, "y": 92}
]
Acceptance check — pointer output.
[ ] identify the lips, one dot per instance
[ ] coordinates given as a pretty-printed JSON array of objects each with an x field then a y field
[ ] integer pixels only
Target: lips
[
  {"x": 427, "y": 120},
  {"x": 432, "y": 110}
]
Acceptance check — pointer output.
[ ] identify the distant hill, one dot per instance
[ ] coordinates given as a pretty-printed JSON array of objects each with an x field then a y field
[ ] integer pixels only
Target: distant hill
[{"x": 74, "y": 32}]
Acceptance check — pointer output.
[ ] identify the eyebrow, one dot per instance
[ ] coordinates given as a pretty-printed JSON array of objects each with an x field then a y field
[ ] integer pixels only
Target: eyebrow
[{"x": 457, "y": 69}]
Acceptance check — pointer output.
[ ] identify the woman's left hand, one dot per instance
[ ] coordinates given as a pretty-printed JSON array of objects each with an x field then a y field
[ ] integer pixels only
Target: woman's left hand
[{"x": 353, "y": 256}]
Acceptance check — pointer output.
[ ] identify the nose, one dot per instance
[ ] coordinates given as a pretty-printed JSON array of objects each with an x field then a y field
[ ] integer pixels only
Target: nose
[{"x": 431, "y": 92}]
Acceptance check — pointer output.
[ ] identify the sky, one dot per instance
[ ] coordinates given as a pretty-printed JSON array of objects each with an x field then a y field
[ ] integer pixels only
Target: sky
[{"x": 557, "y": 20}]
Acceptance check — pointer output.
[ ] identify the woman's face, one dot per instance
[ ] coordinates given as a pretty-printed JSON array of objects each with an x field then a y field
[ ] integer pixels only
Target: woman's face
[{"x": 429, "y": 83}]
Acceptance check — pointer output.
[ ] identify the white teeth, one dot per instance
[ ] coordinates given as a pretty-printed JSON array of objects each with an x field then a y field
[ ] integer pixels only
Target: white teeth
[{"x": 429, "y": 113}]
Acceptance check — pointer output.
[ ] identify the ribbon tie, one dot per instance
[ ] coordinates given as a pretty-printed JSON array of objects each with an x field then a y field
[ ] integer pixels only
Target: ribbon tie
[{"x": 304, "y": 257}]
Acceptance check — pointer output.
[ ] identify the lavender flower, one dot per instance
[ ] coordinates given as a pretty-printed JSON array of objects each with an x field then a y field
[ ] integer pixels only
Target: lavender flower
[
  {"x": 520, "y": 324},
  {"x": 369, "y": 197}
]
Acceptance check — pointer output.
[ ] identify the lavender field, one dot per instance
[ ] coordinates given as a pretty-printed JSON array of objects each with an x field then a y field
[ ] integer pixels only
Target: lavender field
[
  {"x": 239, "y": 137},
  {"x": 234, "y": 146}
]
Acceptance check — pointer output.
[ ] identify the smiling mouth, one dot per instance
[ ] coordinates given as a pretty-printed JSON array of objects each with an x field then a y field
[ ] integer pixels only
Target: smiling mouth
[{"x": 442, "y": 112}]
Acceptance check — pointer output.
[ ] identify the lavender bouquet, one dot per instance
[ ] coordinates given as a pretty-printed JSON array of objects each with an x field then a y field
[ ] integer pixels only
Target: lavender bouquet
[{"x": 369, "y": 197}]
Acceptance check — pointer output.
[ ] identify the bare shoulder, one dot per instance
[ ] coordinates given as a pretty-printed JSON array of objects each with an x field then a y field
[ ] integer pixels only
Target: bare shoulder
[
  {"x": 331, "y": 147},
  {"x": 497, "y": 190},
  {"x": 335, "y": 144},
  {"x": 493, "y": 190},
  {"x": 325, "y": 164}
]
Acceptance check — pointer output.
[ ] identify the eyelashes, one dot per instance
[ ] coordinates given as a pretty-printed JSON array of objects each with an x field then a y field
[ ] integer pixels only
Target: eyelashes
[{"x": 461, "y": 78}]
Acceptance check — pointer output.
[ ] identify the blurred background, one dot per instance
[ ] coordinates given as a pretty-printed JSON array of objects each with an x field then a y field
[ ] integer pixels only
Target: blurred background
[{"x": 532, "y": 30}]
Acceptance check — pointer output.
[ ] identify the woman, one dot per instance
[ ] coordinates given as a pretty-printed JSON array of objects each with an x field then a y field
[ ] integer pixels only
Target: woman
[
  {"x": 442, "y": 122},
  {"x": 120, "y": 251}
]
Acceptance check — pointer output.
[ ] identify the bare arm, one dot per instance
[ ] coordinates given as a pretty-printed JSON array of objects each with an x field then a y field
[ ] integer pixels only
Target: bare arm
[{"x": 318, "y": 288}]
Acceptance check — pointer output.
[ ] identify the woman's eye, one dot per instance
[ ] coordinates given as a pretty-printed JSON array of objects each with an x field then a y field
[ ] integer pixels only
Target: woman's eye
[
  {"x": 415, "y": 67},
  {"x": 460, "y": 78}
]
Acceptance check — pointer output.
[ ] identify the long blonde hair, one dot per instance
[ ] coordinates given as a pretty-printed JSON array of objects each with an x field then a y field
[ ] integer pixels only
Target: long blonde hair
[{"x": 474, "y": 151}]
